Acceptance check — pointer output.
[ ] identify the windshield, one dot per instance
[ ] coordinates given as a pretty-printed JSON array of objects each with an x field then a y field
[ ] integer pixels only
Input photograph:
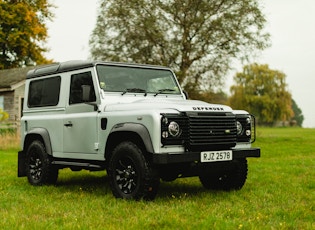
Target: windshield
[{"x": 135, "y": 79}]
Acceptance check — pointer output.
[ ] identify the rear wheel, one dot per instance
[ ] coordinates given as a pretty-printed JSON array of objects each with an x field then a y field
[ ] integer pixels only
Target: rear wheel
[
  {"x": 231, "y": 178},
  {"x": 130, "y": 174},
  {"x": 39, "y": 169}
]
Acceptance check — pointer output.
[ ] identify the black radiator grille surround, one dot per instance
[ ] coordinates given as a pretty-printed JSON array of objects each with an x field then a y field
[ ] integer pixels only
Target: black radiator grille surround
[{"x": 204, "y": 131}]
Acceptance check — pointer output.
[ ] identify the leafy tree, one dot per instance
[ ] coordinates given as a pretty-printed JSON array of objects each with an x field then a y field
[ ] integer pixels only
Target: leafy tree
[
  {"x": 263, "y": 92},
  {"x": 211, "y": 97},
  {"x": 23, "y": 32},
  {"x": 298, "y": 116},
  {"x": 196, "y": 38}
]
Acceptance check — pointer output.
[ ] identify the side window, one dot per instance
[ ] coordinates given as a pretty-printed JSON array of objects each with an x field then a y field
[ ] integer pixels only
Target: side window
[
  {"x": 81, "y": 84},
  {"x": 44, "y": 92}
]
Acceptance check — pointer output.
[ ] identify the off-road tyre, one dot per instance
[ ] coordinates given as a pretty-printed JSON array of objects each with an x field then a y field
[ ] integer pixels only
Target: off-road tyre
[
  {"x": 39, "y": 169},
  {"x": 130, "y": 174},
  {"x": 231, "y": 178}
]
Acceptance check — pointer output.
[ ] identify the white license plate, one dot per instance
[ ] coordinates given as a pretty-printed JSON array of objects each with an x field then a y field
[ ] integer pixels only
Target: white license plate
[{"x": 213, "y": 156}]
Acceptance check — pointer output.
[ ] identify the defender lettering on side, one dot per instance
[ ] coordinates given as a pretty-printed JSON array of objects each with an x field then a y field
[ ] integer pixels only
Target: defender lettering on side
[{"x": 133, "y": 121}]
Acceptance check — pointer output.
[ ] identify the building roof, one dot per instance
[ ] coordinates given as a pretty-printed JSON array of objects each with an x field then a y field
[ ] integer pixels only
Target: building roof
[{"x": 10, "y": 79}]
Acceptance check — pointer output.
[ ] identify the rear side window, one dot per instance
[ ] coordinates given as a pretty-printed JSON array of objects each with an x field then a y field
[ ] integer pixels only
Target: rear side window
[{"x": 44, "y": 92}]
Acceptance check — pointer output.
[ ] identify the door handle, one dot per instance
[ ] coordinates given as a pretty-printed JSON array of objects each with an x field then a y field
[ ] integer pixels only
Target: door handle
[{"x": 69, "y": 124}]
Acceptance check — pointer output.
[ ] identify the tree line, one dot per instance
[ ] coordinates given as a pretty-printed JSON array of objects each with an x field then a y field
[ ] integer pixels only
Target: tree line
[
  {"x": 264, "y": 92},
  {"x": 198, "y": 39}
]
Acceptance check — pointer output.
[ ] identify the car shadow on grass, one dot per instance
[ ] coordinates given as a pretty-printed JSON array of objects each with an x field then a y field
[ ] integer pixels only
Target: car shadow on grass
[
  {"x": 83, "y": 181},
  {"x": 98, "y": 183}
]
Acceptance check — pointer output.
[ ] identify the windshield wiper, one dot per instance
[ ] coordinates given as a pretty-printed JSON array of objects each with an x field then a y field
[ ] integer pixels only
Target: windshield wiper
[
  {"x": 134, "y": 90},
  {"x": 164, "y": 90}
]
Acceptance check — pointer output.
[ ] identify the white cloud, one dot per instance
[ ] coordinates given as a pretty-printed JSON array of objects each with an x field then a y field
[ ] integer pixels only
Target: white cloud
[{"x": 70, "y": 30}]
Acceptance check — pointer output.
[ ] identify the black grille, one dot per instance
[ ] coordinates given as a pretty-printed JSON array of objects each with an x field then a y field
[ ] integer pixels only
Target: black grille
[{"x": 208, "y": 131}]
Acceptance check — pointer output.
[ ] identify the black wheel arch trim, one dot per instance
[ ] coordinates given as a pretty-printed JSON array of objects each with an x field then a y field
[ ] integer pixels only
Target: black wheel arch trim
[
  {"x": 137, "y": 128},
  {"x": 44, "y": 135}
]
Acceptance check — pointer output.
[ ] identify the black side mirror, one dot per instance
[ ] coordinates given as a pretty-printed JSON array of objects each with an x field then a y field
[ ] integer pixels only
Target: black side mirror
[{"x": 86, "y": 97}]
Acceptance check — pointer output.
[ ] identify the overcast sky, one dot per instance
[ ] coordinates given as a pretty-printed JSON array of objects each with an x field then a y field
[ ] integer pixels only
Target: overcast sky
[{"x": 291, "y": 24}]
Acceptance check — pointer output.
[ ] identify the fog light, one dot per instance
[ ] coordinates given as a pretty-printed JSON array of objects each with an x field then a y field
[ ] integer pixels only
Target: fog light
[
  {"x": 165, "y": 134},
  {"x": 248, "y": 133}
]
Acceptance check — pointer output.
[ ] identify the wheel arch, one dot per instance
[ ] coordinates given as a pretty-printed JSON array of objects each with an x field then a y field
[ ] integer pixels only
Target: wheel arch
[
  {"x": 41, "y": 134},
  {"x": 134, "y": 132}
]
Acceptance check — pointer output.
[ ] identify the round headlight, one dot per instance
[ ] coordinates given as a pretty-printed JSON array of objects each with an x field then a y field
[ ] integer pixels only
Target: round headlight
[
  {"x": 174, "y": 129},
  {"x": 239, "y": 128}
]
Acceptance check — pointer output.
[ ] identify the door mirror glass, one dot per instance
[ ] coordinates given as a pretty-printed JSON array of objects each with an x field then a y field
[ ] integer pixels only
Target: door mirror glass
[{"x": 86, "y": 90}]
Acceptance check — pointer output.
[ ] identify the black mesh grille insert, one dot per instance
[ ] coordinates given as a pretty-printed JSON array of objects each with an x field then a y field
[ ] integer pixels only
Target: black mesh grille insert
[{"x": 208, "y": 131}]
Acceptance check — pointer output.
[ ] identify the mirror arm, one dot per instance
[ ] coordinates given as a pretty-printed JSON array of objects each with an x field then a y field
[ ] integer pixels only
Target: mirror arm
[{"x": 92, "y": 104}]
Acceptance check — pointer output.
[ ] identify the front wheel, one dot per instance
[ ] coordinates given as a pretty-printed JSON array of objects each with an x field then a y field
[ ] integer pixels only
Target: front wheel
[
  {"x": 130, "y": 174},
  {"x": 232, "y": 177},
  {"x": 39, "y": 170}
]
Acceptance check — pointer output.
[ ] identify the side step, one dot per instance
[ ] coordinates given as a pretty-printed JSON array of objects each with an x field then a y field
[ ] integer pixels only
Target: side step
[{"x": 81, "y": 165}]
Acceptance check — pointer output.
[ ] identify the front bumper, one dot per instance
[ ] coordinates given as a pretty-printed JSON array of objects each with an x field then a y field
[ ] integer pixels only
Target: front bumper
[{"x": 171, "y": 158}]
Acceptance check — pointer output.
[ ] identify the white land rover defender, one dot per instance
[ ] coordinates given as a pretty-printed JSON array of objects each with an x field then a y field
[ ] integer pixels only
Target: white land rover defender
[{"x": 135, "y": 122}]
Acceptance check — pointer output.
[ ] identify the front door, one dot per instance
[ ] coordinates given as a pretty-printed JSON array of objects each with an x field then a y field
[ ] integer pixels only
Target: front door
[{"x": 80, "y": 121}]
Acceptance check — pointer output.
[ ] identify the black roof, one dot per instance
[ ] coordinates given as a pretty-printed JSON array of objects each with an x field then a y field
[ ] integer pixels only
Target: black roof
[
  {"x": 76, "y": 65},
  {"x": 59, "y": 68}
]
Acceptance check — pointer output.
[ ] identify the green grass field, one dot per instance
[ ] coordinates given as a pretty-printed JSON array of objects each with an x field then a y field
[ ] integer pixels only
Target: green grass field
[{"x": 279, "y": 194}]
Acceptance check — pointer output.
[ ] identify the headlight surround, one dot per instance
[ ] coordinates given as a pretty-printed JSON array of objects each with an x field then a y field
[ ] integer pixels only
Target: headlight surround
[
  {"x": 173, "y": 129},
  {"x": 245, "y": 126}
]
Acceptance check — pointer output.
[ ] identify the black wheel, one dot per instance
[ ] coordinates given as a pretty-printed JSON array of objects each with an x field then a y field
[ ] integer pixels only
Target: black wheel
[
  {"x": 39, "y": 170},
  {"x": 130, "y": 174},
  {"x": 231, "y": 178}
]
